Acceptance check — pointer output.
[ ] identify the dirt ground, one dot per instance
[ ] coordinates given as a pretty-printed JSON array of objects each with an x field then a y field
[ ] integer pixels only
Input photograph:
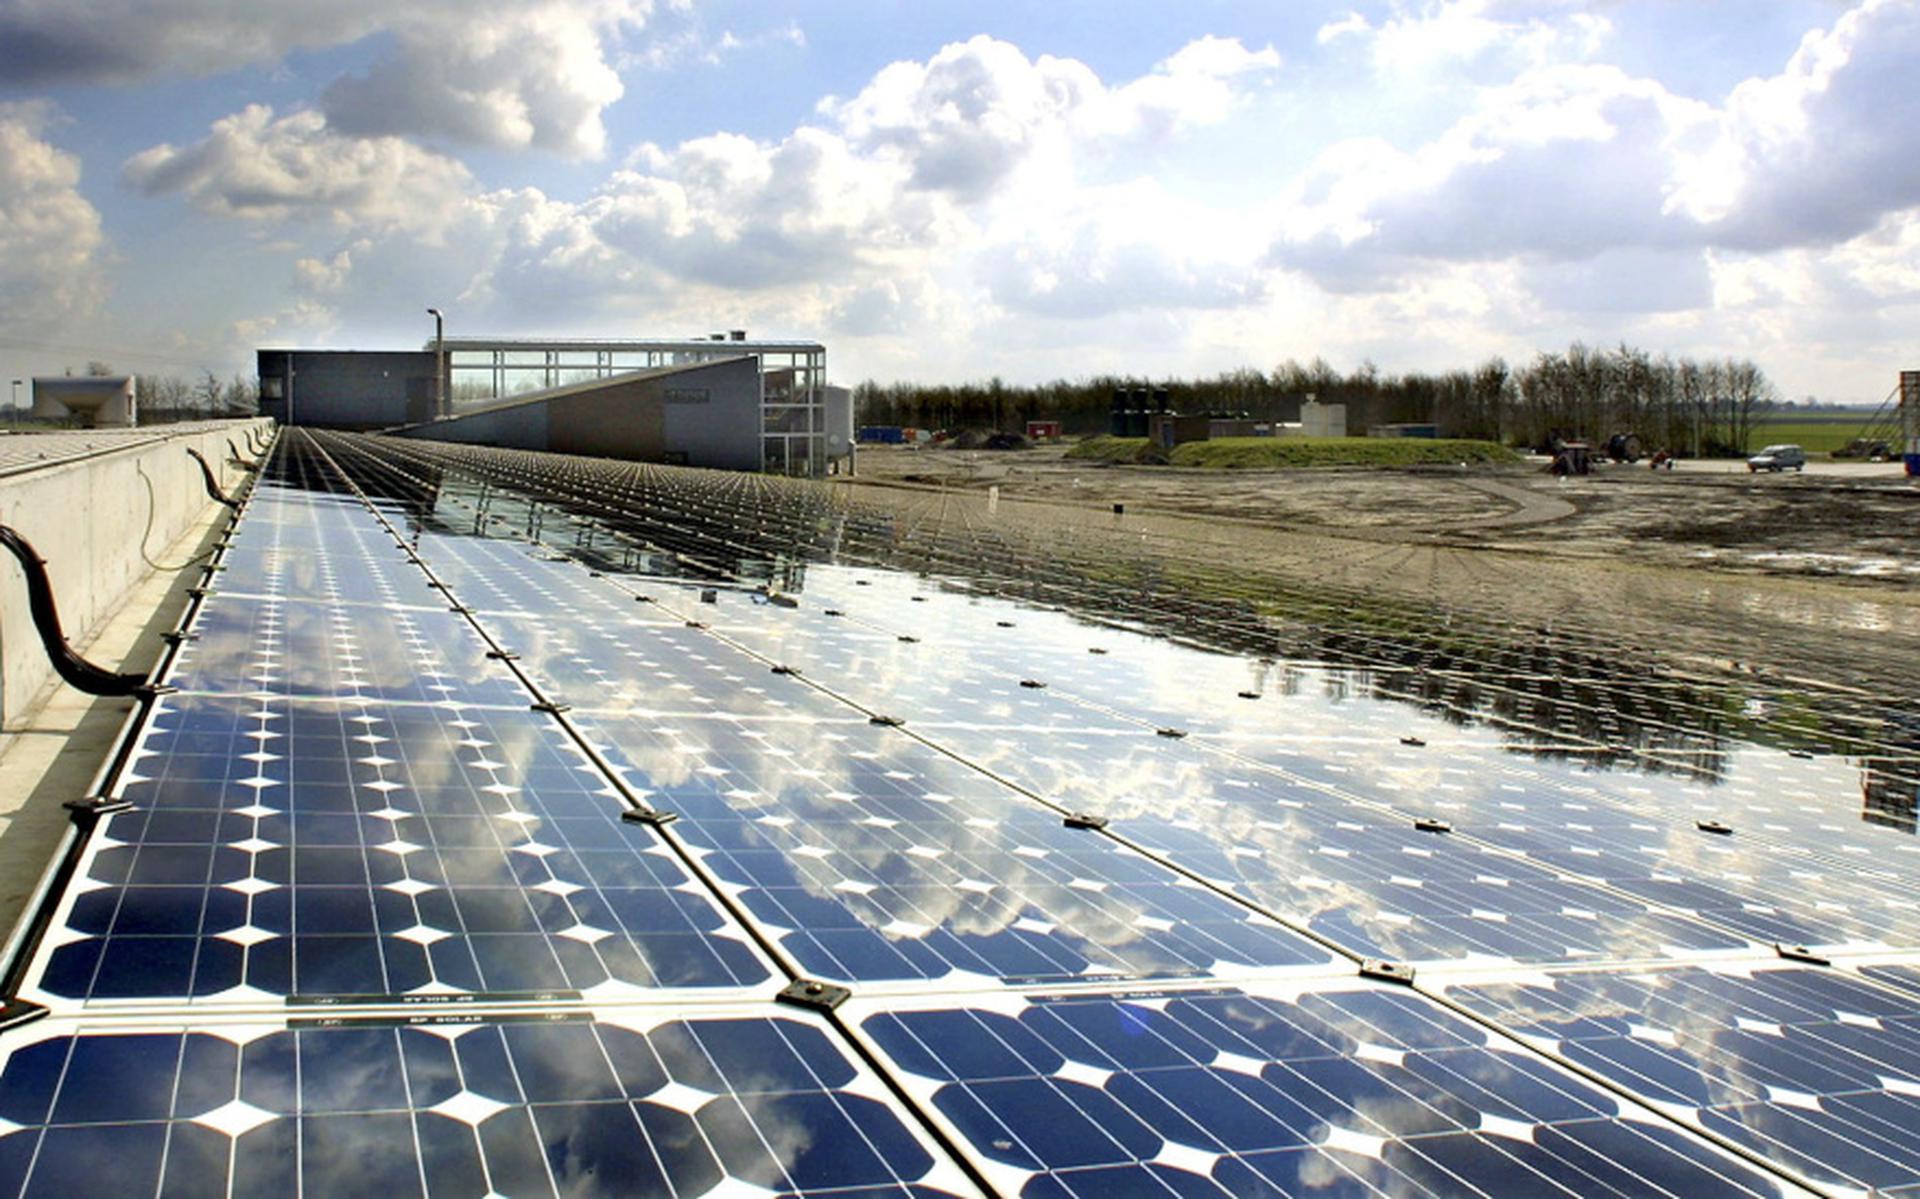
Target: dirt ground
[
  {"x": 1858, "y": 528},
  {"x": 1806, "y": 581}
]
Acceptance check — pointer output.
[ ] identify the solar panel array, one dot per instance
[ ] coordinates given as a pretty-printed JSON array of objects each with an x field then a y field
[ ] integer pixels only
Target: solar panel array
[{"x": 500, "y": 840}]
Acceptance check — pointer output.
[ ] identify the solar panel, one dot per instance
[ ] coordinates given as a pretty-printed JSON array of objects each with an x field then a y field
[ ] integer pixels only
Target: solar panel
[
  {"x": 636, "y": 1101},
  {"x": 267, "y": 646},
  {"x": 873, "y": 858},
  {"x": 1814, "y": 1069},
  {"x": 1344, "y": 1088},
  {"x": 347, "y": 852},
  {"x": 520, "y": 822}
]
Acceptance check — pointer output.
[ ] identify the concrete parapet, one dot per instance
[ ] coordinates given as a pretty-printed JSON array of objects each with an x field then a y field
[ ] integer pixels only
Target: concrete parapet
[{"x": 98, "y": 520}]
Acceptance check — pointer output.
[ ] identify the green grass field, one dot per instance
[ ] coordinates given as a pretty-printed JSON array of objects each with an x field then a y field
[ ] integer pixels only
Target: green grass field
[
  {"x": 1242, "y": 453},
  {"x": 1816, "y": 435}
]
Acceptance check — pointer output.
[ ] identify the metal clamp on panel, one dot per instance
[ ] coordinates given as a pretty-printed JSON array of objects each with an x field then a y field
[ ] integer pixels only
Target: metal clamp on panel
[
  {"x": 1416, "y": 742},
  {"x": 886, "y": 721},
  {"x": 1387, "y": 972},
  {"x": 1084, "y": 820},
  {"x": 552, "y": 707},
  {"x": 503, "y": 655},
  {"x": 1800, "y": 953},
  {"x": 783, "y": 668},
  {"x": 1174, "y": 733},
  {"x": 1430, "y": 824},
  {"x": 816, "y": 996},
  {"x": 653, "y": 816},
  {"x": 1033, "y": 684},
  {"x": 95, "y": 806},
  {"x": 1249, "y": 695},
  {"x": 15, "y": 1012},
  {"x": 179, "y": 637},
  {"x": 1714, "y": 826}
]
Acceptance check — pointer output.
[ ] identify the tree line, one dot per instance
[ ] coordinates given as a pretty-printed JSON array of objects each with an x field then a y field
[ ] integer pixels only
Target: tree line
[
  {"x": 166, "y": 398},
  {"x": 1703, "y": 407}
]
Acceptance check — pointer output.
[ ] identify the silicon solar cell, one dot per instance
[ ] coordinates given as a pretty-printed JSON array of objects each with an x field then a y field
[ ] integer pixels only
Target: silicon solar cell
[
  {"x": 633, "y": 1102},
  {"x": 320, "y": 851},
  {"x": 1348, "y": 1090},
  {"x": 872, "y": 858},
  {"x": 299, "y": 649},
  {"x": 639, "y": 665},
  {"x": 1813, "y": 1069},
  {"x": 375, "y": 920}
]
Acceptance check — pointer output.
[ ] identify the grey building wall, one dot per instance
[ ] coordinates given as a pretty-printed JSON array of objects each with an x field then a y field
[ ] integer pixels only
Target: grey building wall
[
  {"x": 712, "y": 414},
  {"x": 347, "y": 389},
  {"x": 702, "y": 415},
  {"x": 839, "y": 421}
]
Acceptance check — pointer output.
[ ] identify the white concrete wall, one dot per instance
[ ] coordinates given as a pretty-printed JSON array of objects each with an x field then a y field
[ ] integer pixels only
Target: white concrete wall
[{"x": 88, "y": 519}]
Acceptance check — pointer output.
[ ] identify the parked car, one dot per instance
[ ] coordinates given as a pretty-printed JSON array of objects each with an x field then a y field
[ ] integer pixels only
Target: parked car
[{"x": 1778, "y": 457}]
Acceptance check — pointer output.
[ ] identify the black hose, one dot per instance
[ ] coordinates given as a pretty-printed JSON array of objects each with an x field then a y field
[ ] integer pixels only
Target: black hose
[
  {"x": 213, "y": 484},
  {"x": 77, "y": 671}
]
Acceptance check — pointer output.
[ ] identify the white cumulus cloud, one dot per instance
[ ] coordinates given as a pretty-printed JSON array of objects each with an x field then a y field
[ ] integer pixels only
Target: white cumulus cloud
[
  {"x": 260, "y": 167},
  {"x": 51, "y": 243},
  {"x": 509, "y": 73}
]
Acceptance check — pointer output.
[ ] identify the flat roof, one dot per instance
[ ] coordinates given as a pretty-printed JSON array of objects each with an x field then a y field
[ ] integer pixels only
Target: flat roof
[{"x": 455, "y": 345}]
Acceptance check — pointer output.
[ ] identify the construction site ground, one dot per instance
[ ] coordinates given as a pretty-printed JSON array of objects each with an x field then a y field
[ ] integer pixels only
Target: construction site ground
[
  {"x": 1814, "y": 575},
  {"x": 1844, "y": 521}
]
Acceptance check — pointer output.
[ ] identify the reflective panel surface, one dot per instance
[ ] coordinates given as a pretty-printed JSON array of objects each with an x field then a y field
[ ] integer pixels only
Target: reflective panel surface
[
  {"x": 1811, "y": 1068},
  {"x": 635, "y": 1104},
  {"x": 519, "y": 818},
  {"x": 1353, "y": 1090}
]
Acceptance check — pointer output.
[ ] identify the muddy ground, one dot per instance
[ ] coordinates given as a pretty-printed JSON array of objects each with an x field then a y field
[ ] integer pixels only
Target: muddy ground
[{"x": 1856, "y": 528}]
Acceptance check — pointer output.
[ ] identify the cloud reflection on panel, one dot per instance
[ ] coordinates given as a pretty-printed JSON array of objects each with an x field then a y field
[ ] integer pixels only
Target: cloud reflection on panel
[
  {"x": 1347, "y": 1088},
  {"x": 1370, "y": 882},
  {"x": 304, "y": 649},
  {"x": 1813, "y": 1069},
  {"x": 625, "y": 1103},
  {"x": 873, "y": 859},
  {"x": 374, "y": 851}
]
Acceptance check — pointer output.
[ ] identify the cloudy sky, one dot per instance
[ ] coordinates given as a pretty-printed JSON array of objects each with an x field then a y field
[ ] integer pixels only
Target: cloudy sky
[{"x": 944, "y": 189}]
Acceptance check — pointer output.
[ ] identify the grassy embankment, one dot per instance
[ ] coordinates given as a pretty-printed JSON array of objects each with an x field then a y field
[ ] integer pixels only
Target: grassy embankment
[
  {"x": 1235, "y": 453},
  {"x": 1816, "y": 435}
]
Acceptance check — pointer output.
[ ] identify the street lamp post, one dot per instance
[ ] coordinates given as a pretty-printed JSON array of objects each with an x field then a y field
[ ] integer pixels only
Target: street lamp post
[{"x": 441, "y": 405}]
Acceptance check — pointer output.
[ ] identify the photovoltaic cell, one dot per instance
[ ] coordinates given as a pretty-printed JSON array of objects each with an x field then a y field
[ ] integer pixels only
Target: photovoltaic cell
[
  {"x": 658, "y": 666},
  {"x": 1349, "y": 1090},
  {"x": 374, "y": 924},
  {"x": 1811, "y": 1068},
  {"x": 299, "y": 649},
  {"x": 633, "y": 1102},
  {"x": 323, "y": 851},
  {"x": 331, "y": 549},
  {"x": 872, "y": 858}
]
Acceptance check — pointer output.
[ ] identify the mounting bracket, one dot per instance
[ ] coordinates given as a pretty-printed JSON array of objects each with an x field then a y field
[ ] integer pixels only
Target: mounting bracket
[{"x": 815, "y": 996}]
